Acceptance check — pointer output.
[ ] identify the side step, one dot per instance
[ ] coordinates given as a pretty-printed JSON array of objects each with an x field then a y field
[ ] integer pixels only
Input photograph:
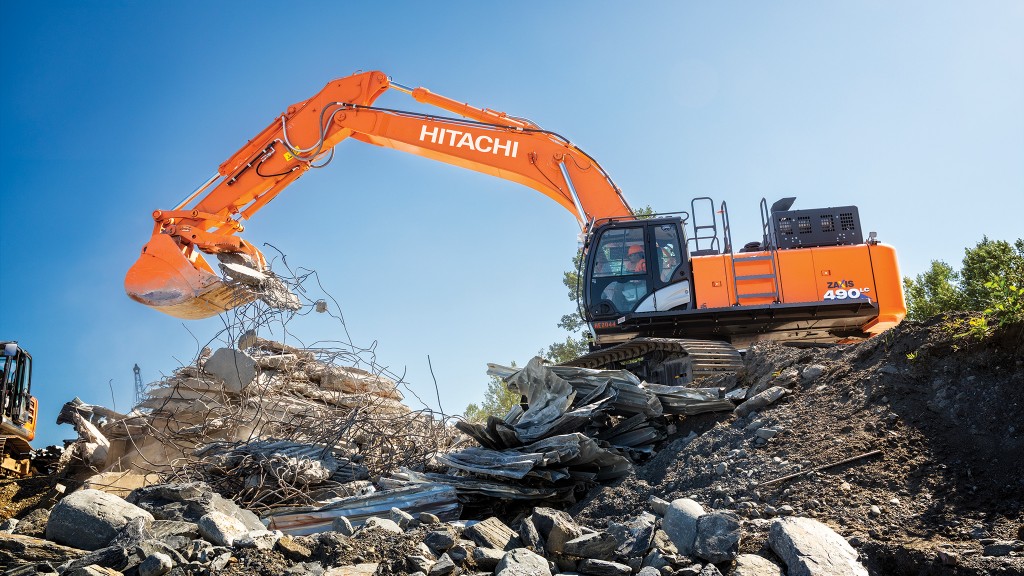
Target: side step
[{"x": 707, "y": 357}]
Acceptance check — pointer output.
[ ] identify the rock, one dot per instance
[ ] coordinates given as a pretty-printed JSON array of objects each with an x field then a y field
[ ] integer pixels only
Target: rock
[
  {"x": 221, "y": 529},
  {"x": 718, "y": 537},
  {"x": 461, "y": 551},
  {"x": 8, "y": 525},
  {"x": 948, "y": 557},
  {"x": 428, "y": 518},
  {"x": 492, "y": 533},
  {"x": 709, "y": 570},
  {"x": 439, "y": 541},
  {"x": 418, "y": 563},
  {"x": 304, "y": 569},
  {"x": 165, "y": 528},
  {"x": 529, "y": 535},
  {"x": 680, "y": 523},
  {"x": 425, "y": 551},
  {"x": 649, "y": 571},
  {"x": 383, "y": 524},
  {"x": 655, "y": 560},
  {"x": 635, "y": 537},
  {"x": 765, "y": 433},
  {"x": 293, "y": 550},
  {"x": 198, "y": 550},
  {"x": 658, "y": 506},
  {"x": 188, "y": 502},
  {"x": 33, "y": 523},
  {"x": 135, "y": 531},
  {"x": 754, "y": 565},
  {"x": 90, "y": 519},
  {"x": 110, "y": 557},
  {"x": 555, "y": 527},
  {"x": 721, "y": 468},
  {"x": 810, "y": 548},
  {"x": 342, "y": 525},
  {"x": 402, "y": 518},
  {"x": 18, "y": 550},
  {"x": 156, "y": 565},
  {"x": 760, "y": 400},
  {"x": 236, "y": 368},
  {"x": 604, "y": 568},
  {"x": 1002, "y": 547},
  {"x": 597, "y": 545},
  {"x": 443, "y": 567},
  {"x": 147, "y": 548},
  {"x": 487, "y": 558},
  {"x": 522, "y": 562},
  {"x": 259, "y": 539},
  {"x": 875, "y": 510},
  {"x": 810, "y": 373},
  {"x": 662, "y": 542}
]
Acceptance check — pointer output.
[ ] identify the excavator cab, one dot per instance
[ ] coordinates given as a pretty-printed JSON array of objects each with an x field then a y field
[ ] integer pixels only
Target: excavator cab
[
  {"x": 19, "y": 409},
  {"x": 636, "y": 266}
]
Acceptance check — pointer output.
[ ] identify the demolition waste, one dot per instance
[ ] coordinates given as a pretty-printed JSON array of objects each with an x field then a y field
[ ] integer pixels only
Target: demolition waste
[{"x": 897, "y": 455}]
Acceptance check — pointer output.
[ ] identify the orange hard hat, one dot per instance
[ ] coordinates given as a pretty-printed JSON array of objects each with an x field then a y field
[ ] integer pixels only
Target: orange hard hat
[{"x": 636, "y": 250}]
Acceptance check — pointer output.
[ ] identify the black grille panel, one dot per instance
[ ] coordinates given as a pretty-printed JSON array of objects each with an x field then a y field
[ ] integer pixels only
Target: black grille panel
[{"x": 817, "y": 227}]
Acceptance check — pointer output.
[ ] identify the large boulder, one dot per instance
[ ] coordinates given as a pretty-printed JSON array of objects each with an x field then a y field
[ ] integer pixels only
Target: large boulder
[
  {"x": 810, "y": 548},
  {"x": 522, "y": 562},
  {"x": 680, "y": 523},
  {"x": 221, "y": 529},
  {"x": 555, "y": 527},
  {"x": 718, "y": 537},
  {"x": 596, "y": 545},
  {"x": 492, "y": 533},
  {"x": 90, "y": 519},
  {"x": 188, "y": 502},
  {"x": 634, "y": 537}
]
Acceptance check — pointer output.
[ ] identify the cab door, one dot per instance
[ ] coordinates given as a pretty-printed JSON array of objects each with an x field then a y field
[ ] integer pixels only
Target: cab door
[{"x": 618, "y": 277}]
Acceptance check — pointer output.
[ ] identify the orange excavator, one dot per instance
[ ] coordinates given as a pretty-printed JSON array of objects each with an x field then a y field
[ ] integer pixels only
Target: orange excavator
[{"x": 668, "y": 297}]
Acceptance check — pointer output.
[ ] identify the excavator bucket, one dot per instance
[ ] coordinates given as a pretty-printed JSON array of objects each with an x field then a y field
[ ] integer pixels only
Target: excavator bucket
[{"x": 164, "y": 279}]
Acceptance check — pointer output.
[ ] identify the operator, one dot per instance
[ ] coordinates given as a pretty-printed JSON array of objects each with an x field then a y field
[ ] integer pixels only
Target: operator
[{"x": 636, "y": 263}]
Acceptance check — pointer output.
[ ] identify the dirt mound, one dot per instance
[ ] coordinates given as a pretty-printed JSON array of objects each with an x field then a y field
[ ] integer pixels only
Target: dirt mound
[{"x": 944, "y": 406}]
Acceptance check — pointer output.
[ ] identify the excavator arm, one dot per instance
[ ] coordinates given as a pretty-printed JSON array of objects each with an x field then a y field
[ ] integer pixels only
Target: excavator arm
[{"x": 172, "y": 275}]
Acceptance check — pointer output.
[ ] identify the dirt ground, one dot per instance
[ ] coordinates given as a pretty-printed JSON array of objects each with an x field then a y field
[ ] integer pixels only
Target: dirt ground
[{"x": 945, "y": 409}]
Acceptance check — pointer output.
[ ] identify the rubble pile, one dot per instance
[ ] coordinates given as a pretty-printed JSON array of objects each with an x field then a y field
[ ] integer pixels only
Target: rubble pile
[
  {"x": 577, "y": 428},
  {"x": 270, "y": 424},
  {"x": 187, "y": 529}
]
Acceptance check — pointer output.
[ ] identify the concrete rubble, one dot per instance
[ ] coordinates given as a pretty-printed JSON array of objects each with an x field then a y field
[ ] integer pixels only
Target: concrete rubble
[
  {"x": 272, "y": 425},
  {"x": 544, "y": 541}
]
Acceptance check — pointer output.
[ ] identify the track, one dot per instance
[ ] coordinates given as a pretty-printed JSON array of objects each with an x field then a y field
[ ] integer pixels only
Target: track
[{"x": 702, "y": 357}]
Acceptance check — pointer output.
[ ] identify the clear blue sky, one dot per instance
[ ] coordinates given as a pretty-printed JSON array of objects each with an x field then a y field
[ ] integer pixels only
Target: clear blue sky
[{"x": 914, "y": 111}]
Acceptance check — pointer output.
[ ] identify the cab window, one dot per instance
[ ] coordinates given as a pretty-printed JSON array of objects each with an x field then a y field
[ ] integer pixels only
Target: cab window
[
  {"x": 620, "y": 271},
  {"x": 620, "y": 253},
  {"x": 666, "y": 240}
]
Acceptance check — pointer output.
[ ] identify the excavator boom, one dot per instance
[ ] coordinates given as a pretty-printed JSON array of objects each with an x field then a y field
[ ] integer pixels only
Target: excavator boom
[{"x": 171, "y": 274}]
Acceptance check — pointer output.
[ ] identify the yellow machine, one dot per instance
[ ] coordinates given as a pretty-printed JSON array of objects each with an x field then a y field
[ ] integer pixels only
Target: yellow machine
[{"x": 20, "y": 410}]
